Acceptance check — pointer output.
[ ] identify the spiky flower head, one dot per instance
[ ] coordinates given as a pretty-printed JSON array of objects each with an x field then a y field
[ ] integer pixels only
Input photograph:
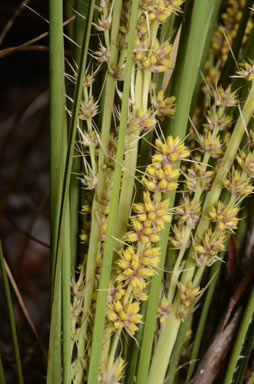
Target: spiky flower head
[
  {"x": 164, "y": 309},
  {"x": 113, "y": 374},
  {"x": 187, "y": 293},
  {"x": 178, "y": 239},
  {"x": 150, "y": 256},
  {"x": 246, "y": 162},
  {"x": 104, "y": 23},
  {"x": 156, "y": 59},
  {"x": 238, "y": 184},
  {"x": 170, "y": 151},
  {"x": 160, "y": 10},
  {"x": 88, "y": 80},
  {"x": 89, "y": 108},
  {"x": 211, "y": 144},
  {"x": 161, "y": 179},
  {"x": 164, "y": 105},
  {"x": 131, "y": 270},
  {"x": 124, "y": 316},
  {"x": 198, "y": 176},
  {"x": 247, "y": 70},
  {"x": 155, "y": 211},
  {"x": 225, "y": 98},
  {"x": 224, "y": 216},
  {"x": 140, "y": 121},
  {"x": 216, "y": 120},
  {"x": 212, "y": 244},
  {"x": 103, "y": 54},
  {"x": 188, "y": 212},
  {"x": 144, "y": 232},
  {"x": 115, "y": 293}
]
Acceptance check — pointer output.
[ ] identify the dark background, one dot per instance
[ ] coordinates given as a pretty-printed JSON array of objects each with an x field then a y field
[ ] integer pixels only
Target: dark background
[{"x": 24, "y": 185}]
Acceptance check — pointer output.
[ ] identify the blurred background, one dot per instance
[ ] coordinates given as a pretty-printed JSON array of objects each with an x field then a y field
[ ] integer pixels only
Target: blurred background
[{"x": 24, "y": 181}]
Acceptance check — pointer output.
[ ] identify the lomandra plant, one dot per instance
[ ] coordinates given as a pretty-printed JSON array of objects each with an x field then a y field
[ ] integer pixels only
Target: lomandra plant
[{"x": 151, "y": 160}]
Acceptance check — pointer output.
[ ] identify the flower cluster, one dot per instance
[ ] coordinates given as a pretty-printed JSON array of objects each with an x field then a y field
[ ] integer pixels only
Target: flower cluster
[
  {"x": 114, "y": 374},
  {"x": 187, "y": 293},
  {"x": 156, "y": 59},
  {"x": 238, "y": 183},
  {"x": 247, "y": 70},
  {"x": 131, "y": 269},
  {"x": 160, "y": 10},
  {"x": 164, "y": 309},
  {"x": 225, "y": 98},
  {"x": 186, "y": 296},
  {"x": 212, "y": 144},
  {"x": 216, "y": 120},
  {"x": 149, "y": 221},
  {"x": 246, "y": 162},
  {"x": 188, "y": 212},
  {"x": 124, "y": 316},
  {"x": 136, "y": 263},
  {"x": 212, "y": 243},
  {"x": 224, "y": 216},
  {"x": 164, "y": 106},
  {"x": 198, "y": 176},
  {"x": 138, "y": 260},
  {"x": 140, "y": 120},
  {"x": 162, "y": 174},
  {"x": 178, "y": 238}
]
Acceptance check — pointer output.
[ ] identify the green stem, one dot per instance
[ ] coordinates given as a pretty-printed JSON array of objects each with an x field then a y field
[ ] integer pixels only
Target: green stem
[
  {"x": 163, "y": 349},
  {"x": 57, "y": 123},
  {"x": 245, "y": 323},
  {"x": 130, "y": 162},
  {"x": 111, "y": 357},
  {"x": 177, "y": 350},
  {"x": 108, "y": 248},
  {"x": 176, "y": 271},
  {"x": 11, "y": 316},
  {"x": 134, "y": 349},
  {"x": 66, "y": 307}
]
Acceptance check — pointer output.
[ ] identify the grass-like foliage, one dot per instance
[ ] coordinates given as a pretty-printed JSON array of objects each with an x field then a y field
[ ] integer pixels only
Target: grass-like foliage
[{"x": 152, "y": 168}]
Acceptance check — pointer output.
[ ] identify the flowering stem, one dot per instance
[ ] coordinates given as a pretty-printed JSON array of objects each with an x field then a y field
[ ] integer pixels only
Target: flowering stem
[
  {"x": 183, "y": 95},
  {"x": 143, "y": 80},
  {"x": 94, "y": 242},
  {"x": 108, "y": 248},
  {"x": 226, "y": 162},
  {"x": 164, "y": 347}
]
